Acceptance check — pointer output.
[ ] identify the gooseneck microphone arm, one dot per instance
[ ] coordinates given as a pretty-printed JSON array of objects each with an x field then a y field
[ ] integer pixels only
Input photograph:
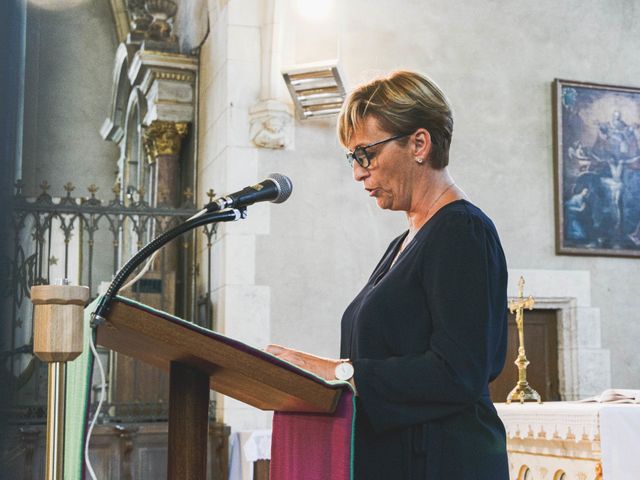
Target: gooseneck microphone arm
[
  {"x": 228, "y": 215},
  {"x": 276, "y": 188}
]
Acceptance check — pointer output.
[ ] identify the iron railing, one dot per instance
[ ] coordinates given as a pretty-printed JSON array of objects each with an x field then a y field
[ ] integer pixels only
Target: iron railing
[{"x": 67, "y": 237}]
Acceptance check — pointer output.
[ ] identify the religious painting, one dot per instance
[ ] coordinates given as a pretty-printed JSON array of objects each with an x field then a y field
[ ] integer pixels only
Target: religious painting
[{"x": 597, "y": 167}]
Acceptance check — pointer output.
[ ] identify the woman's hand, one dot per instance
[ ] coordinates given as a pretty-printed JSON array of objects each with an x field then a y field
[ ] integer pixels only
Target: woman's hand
[{"x": 322, "y": 367}]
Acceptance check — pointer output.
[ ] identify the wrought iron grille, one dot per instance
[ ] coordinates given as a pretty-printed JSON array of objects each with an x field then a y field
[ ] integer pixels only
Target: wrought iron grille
[{"x": 86, "y": 240}]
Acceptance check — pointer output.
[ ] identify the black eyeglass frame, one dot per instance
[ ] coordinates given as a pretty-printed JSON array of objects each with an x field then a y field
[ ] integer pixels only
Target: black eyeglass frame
[{"x": 361, "y": 156}]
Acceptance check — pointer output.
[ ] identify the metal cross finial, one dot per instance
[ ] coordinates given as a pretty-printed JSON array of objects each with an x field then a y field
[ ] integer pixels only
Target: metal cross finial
[
  {"x": 188, "y": 193},
  {"x": 518, "y": 306},
  {"x": 211, "y": 194},
  {"x": 521, "y": 287},
  {"x": 44, "y": 186}
]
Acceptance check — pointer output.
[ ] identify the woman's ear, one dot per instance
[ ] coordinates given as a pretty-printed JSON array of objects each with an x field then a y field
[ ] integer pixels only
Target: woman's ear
[{"x": 422, "y": 144}]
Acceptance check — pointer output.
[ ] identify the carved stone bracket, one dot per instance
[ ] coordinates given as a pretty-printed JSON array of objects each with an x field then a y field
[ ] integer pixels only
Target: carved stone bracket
[
  {"x": 164, "y": 138},
  {"x": 271, "y": 124}
]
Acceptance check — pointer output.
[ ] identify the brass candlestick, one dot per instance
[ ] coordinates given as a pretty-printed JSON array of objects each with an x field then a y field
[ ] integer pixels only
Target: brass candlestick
[{"x": 522, "y": 390}]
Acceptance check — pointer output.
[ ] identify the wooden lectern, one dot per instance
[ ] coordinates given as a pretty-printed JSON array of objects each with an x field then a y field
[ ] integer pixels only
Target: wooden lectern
[{"x": 198, "y": 359}]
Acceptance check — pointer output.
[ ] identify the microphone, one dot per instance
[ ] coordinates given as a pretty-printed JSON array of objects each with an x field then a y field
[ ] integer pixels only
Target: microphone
[{"x": 276, "y": 188}]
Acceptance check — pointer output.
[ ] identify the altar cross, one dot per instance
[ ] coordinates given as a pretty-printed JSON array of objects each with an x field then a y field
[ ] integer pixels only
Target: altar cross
[
  {"x": 522, "y": 390},
  {"x": 517, "y": 306}
]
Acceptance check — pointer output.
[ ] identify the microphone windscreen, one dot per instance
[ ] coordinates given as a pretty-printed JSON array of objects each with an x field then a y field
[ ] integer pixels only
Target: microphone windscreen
[{"x": 285, "y": 187}]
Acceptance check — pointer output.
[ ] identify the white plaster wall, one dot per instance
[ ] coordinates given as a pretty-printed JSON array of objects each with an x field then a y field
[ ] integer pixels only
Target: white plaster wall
[{"x": 496, "y": 61}]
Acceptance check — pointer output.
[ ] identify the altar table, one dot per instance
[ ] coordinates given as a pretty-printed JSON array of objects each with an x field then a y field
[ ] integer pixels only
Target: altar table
[{"x": 582, "y": 441}]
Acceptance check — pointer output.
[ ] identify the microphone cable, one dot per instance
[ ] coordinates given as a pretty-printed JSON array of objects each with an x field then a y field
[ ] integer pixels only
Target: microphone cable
[{"x": 103, "y": 387}]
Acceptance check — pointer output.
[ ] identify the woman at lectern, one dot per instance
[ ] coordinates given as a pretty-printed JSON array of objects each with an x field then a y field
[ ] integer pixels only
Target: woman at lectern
[{"x": 427, "y": 333}]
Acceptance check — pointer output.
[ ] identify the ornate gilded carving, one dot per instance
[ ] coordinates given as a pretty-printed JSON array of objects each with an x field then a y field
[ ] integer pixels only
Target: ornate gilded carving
[
  {"x": 149, "y": 20},
  {"x": 164, "y": 138},
  {"x": 160, "y": 28},
  {"x": 140, "y": 19},
  {"x": 180, "y": 77},
  {"x": 598, "y": 471}
]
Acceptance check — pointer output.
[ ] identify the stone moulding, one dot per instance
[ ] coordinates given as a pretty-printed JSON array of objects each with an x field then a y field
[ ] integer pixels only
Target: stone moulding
[
  {"x": 165, "y": 80},
  {"x": 113, "y": 127}
]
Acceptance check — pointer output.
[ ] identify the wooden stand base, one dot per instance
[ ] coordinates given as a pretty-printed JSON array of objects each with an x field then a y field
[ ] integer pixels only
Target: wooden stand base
[{"x": 188, "y": 422}]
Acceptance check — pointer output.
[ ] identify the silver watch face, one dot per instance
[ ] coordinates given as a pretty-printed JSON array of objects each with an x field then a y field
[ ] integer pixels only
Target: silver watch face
[{"x": 344, "y": 371}]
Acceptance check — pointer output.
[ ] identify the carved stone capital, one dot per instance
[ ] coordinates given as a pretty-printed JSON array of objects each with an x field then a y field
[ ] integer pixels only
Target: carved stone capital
[
  {"x": 271, "y": 125},
  {"x": 164, "y": 138}
]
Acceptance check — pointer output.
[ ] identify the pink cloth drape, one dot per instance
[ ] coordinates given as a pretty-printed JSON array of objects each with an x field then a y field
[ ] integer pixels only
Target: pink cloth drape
[{"x": 313, "y": 446}]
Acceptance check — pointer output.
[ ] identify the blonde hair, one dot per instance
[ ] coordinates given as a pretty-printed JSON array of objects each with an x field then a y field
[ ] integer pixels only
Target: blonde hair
[{"x": 402, "y": 102}]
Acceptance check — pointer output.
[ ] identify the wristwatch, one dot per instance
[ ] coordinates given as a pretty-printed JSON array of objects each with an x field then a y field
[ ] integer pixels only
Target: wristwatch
[{"x": 344, "y": 371}]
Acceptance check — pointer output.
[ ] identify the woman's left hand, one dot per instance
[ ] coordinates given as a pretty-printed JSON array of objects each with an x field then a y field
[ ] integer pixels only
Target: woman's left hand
[{"x": 320, "y": 366}]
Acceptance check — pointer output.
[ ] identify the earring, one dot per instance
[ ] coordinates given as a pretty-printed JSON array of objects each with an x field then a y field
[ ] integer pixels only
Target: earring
[{"x": 419, "y": 160}]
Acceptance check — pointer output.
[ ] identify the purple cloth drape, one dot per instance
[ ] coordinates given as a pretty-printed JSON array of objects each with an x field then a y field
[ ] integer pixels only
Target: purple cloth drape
[{"x": 314, "y": 446}]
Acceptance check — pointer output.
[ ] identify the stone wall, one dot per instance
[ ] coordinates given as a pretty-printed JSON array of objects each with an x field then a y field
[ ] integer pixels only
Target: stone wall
[{"x": 70, "y": 47}]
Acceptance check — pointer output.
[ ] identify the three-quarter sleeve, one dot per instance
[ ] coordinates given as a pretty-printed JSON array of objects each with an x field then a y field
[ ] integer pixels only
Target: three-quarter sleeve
[{"x": 463, "y": 278}]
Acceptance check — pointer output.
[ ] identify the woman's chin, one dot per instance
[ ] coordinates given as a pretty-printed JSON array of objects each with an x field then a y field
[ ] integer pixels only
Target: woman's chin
[{"x": 384, "y": 203}]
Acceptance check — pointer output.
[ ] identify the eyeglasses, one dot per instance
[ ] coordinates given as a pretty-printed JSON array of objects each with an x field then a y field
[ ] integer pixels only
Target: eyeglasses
[{"x": 361, "y": 156}]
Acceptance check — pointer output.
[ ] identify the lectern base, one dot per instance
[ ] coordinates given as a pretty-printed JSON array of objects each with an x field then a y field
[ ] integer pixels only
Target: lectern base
[{"x": 188, "y": 422}]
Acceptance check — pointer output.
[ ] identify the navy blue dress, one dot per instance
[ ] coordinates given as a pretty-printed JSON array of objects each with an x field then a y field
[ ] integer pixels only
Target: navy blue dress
[{"x": 426, "y": 336}]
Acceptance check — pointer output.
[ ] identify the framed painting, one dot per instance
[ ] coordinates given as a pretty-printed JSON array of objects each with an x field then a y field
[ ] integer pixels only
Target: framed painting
[{"x": 597, "y": 169}]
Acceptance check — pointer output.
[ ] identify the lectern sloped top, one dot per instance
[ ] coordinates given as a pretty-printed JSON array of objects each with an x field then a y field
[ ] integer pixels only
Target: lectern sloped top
[{"x": 234, "y": 368}]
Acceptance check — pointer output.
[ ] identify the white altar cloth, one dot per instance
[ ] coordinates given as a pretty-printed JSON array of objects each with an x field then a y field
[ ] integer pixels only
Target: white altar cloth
[
  {"x": 246, "y": 447},
  {"x": 611, "y": 430},
  {"x": 620, "y": 440},
  {"x": 565, "y": 420}
]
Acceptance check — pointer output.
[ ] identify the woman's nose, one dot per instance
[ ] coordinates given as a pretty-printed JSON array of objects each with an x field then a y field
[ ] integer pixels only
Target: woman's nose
[{"x": 359, "y": 172}]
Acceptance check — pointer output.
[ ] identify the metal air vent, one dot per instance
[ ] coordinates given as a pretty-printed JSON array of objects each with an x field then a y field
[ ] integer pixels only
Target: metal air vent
[{"x": 317, "y": 89}]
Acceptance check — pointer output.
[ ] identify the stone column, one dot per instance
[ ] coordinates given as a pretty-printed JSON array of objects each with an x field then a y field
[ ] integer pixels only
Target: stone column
[{"x": 162, "y": 142}]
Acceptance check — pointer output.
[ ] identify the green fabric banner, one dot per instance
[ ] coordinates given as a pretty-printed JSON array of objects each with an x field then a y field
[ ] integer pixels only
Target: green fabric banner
[{"x": 78, "y": 388}]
